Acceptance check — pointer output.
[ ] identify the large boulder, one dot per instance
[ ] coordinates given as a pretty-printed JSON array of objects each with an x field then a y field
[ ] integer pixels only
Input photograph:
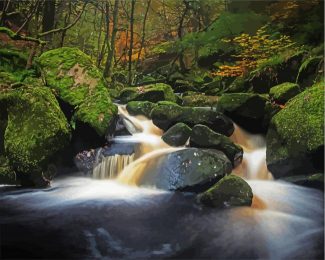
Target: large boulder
[
  {"x": 203, "y": 137},
  {"x": 278, "y": 69},
  {"x": 140, "y": 108},
  {"x": 36, "y": 129},
  {"x": 78, "y": 84},
  {"x": 200, "y": 100},
  {"x": 7, "y": 174},
  {"x": 283, "y": 92},
  {"x": 192, "y": 169},
  {"x": 311, "y": 69},
  {"x": 246, "y": 109},
  {"x": 153, "y": 93},
  {"x": 177, "y": 135},
  {"x": 166, "y": 115},
  {"x": 230, "y": 191},
  {"x": 295, "y": 138}
]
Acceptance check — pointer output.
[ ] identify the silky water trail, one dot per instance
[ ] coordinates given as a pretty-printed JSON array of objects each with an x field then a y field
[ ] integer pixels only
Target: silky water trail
[{"x": 82, "y": 217}]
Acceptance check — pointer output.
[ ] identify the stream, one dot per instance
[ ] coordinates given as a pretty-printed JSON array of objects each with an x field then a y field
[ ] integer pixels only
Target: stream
[{"x": 109, "y": 216}]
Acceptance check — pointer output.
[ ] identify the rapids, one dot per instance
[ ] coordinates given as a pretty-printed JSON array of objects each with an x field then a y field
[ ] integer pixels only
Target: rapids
[{"x": 80, "y": 217}]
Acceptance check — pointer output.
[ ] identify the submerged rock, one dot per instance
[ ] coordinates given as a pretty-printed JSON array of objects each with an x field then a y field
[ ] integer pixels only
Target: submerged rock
[
  {"x": 230, "y": 191},
  {"x": 36, "y": 130},
  {"x": 295, "y": 138},
  {"x": 283, "y": 92},
  {"x": 203, "y": 137},
  {"x": 177, "y": 135},
  {"x": 165, "y": 116},
  {"x": 191, "y": 169},
  {"x": 78, "y": 83},
  {"x": 245, "y": 109},
  {"x": 153, "y": 93},
  {"x": 140, "y": 108}
]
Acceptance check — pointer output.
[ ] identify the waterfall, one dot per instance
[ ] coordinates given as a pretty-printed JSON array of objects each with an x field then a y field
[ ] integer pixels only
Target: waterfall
[{"x": 111, "y": 166}]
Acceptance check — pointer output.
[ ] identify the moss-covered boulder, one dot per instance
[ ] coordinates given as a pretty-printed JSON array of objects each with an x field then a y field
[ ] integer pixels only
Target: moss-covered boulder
[
  {"x": 191, "y": 169},
  {"x": 153, "y": 93},
  {"x": 36, "y": 129},
  {"x": 77, "y": 82},
  {"x": 200, "y": 101},
  {"x": 203, "y": 137},
  {"x": 165, "y": 116},
  {"x": 283, "y": 92},
  {"x": 181, "y": 86},
  {"x": 278, "y": 69},
  {"x": 246, "y": 109},
  {"x": 7, "y": 174},
  {"x": 230, "y": 191},
  {"x": 177, "y": 135},
  {"x": 295, "y": 138},
  {"x": 311, "y": 70},
  {"x": 140, "y": 108}
]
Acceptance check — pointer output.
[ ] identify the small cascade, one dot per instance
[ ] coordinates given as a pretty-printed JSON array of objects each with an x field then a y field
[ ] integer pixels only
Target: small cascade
[
  {"x": 111, "y": 166},
  {"x": 253, "y": 165}
]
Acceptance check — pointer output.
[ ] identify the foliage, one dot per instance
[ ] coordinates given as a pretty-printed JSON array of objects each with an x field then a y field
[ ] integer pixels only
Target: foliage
[{"x": 254, "y": 50}]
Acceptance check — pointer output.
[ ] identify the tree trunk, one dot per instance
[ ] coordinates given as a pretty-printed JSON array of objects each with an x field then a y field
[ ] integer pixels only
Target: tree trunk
[
  {"x": 143, "y": 33},
  {"x": 131, "y": 41},
  {"x": 180, "y": 36},
  {"x": 111, "y": 46},
  {"x": 48, "y": 18}
]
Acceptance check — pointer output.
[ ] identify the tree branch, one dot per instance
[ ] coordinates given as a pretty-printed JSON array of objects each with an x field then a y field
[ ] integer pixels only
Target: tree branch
[
  {"x": 17, "y": 37},
  {"x": 64, "y": 28}
]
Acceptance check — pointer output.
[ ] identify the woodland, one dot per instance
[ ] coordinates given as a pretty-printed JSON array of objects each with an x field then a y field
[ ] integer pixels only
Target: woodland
[{"x": 177, "y": 113}]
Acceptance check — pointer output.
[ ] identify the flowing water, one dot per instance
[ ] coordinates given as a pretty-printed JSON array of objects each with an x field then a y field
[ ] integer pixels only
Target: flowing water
[{"x": 81, "y": 217}]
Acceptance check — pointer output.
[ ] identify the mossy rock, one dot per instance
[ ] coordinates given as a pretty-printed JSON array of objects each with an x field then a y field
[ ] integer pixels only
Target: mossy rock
[
  {"x": 311, "y": 70},
  {"x": 77, "y": 82},
  {"x": 181, "y": 86},
  {"x": 190, "y": 169},
  {"x": 200, "y": 101},
  {"x": 140, "y": 108},
  {"x": 165, "y": 116},
  {"x": 230, "y": 191},
  {"x": 278, "y": 69},
  {"x": 177, "y": 135},
  {"x": 283, "y": 92},
  {"x": 153, "y": 93},
  {"x": 240, "y": 84},
  {"x": 295, "y": 138},
  {"x": 36, "y": 130},
  {"x": 7, "y": 174},
  {"x": 246, "y": 109},
  {"x": 270, "y": 110},
  {"x": 203, "y": 137}
]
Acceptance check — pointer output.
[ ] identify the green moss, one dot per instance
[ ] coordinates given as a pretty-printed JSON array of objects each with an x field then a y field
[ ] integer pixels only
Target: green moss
[
  {"x": 230, "y": 191},
  {"x": 77, "y": 81},
  {"x": 200, "y": 101},
  {"x": 140, "y": 108},
  {"x": 153, "y": 93},
  {"x": 297, "y": 131},
  {"x": 310, "y": 71},
  {"x": 285, "y": 91},
  {"x": 7, "y": 174},
  {"x": 36, "y": 128}
]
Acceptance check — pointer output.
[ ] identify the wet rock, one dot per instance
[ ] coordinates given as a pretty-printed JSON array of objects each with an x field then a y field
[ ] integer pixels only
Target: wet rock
[
  {"x": 203, "y": 137},
  {"x": 153, "y": 93},
  {"x": 230, "y": 191},
  {"x": 165, "y": 116},
  {"x": 283, "y": 92},
  {"x": 295, "y": 138},
  {"x": 177, "y": 135},
  {"x": 191, "y": 169},
  {"x": 140, "y": 108},
  {"x": 312, "y": 181},
  {"x": 245, "y": 109},
  {"x": 200, "y": 101}
]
